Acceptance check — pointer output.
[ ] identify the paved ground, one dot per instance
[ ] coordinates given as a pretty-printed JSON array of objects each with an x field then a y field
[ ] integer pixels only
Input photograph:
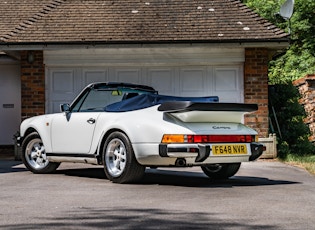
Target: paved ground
[{"x": 263, "y": 195}]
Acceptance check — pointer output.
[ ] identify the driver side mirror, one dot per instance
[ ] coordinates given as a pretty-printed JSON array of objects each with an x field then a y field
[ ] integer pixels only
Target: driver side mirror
[{"x": 65, "y": 108}]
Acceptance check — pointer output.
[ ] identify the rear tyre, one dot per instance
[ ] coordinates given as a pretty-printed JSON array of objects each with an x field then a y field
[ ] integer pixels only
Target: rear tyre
[
  {"x": 120, "y": 164},
  {"x": 34, "y": 155},
  {"x": 221, "y": 171}
]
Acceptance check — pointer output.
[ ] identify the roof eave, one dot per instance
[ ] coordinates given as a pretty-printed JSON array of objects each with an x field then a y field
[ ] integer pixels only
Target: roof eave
[{"x": 246, "y": 43}]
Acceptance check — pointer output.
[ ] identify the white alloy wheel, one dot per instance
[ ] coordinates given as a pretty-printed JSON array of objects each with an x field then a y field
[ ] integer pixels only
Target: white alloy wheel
[
  {"x": 115, "y": 157},
  {"x": 120, "y": 164},
  {"x": 35, "y": 154}
]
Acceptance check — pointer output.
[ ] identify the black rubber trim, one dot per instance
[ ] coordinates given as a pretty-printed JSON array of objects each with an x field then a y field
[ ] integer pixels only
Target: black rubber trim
[
  {"x": 163, "y": 150},
  {"x": 204, "y": 152},
  {"x": 181, "y": 106},
  {"x": 117, "y": 85},
  {"x": 257, "y": 150}
]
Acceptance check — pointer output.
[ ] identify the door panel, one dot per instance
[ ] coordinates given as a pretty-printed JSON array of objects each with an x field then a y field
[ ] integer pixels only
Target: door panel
[
  {"x": 73, "y": 133},
  {"x": 10, "y": 102}
]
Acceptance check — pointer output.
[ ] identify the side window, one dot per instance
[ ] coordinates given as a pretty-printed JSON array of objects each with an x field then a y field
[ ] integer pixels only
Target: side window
[
  {"x": 76, "y": 107},
  {"x": 95, "y": 100}
]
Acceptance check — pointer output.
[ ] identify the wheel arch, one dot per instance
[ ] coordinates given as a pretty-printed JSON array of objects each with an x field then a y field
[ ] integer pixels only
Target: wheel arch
[
  {"x": 26, "y": 133},
  {"x": 29, "y": 130},
  {"x": 103, "y": 140}
]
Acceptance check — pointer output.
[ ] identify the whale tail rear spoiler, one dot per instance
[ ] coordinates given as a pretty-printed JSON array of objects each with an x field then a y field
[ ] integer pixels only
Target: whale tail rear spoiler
[{"x": 189, "y": 111}]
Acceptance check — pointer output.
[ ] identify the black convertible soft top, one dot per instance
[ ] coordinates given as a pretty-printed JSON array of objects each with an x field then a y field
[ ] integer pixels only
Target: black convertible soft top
[{"x": 147, "y": 100}]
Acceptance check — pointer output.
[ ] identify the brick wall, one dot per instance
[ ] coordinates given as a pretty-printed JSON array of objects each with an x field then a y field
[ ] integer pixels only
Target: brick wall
[
  {"x": 256, "y": 88},
  {"x": 306, "y": 87},
  {"x": 32, "y": 84}
]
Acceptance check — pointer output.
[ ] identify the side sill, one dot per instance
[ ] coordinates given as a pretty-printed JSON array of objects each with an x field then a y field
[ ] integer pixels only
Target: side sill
[{"x": 75, "y": 158}]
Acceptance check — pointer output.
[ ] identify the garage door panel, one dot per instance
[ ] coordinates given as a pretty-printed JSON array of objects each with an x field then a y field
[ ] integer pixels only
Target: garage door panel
[
  {"x": 162, "y": 80},
  {"x": 62, "y": 81},
  {"x": 128, "y": 75},
  {"x": 95, "y": 75},
  {"x": 226, "y": 80},
  {"x": 64, "y": 85},
  {"x": 56, "y": 105},
  {"x": 192, "y": 82},
  {"x": 227, "y": 84}
]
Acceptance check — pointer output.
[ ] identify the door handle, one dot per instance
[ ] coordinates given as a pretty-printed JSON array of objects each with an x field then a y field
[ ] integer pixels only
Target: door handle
[{"x": 91, "y": 121}]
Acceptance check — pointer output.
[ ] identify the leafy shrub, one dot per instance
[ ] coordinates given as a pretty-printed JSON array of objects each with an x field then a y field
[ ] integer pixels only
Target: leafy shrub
[{"x": 287, "y": 121}]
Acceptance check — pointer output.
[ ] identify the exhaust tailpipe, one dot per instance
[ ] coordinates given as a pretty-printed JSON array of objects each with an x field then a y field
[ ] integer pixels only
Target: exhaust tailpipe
[{"x": 180, "y": 162}]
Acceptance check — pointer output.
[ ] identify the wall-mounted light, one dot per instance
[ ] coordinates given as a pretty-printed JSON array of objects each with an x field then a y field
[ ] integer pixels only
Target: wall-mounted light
[{"x": 30, "y": 57}]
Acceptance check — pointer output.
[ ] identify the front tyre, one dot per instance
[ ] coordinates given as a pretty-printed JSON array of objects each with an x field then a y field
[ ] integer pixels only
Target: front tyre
[
  {"x": 221, "y": 171},
  {"x": 120, "y": 164},
  {"x": 34, "y": 155}
]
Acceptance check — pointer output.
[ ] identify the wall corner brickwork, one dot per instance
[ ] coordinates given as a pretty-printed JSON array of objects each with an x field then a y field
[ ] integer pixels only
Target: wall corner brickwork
[
  {"x": 306, "y": 87},
  {"x": 32, "y": 84},
  {"x": 256, "y": 88}
]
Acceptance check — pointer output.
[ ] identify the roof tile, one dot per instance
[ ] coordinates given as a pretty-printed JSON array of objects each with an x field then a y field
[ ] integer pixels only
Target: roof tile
[{"x": 45, "y": 21}]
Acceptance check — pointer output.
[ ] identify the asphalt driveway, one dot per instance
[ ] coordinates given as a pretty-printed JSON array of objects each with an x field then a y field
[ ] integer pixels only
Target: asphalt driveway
[{"x": 263, "y": 195}]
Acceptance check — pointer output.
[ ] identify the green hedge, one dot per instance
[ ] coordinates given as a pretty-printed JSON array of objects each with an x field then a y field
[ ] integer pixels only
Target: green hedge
[{"x": 286, "y": 120}]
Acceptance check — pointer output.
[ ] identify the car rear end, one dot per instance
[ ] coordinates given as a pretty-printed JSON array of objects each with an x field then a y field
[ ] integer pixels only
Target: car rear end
[
  {"x": 237, "y": 144},
  {"x": 203, "y": 134}
]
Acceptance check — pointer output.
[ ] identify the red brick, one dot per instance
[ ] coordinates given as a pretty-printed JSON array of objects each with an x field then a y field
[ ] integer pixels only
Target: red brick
[
  {"x": 33, "y": 84},
  {"x": 256, "y": 88}
]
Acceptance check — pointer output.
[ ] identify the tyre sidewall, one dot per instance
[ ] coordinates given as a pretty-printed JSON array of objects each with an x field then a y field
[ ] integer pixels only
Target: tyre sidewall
[
  {"x": 132, "y": 170},
  {"x": 50, "y": 167},
  {"x": 226, "y": 171}
]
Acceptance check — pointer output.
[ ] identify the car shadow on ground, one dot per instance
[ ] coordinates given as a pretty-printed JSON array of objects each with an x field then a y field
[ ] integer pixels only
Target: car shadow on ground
[
  {"x": 157, "y": 176},
  {"x": 10, "y": 166},
  {"x": 180, "y": 178}
]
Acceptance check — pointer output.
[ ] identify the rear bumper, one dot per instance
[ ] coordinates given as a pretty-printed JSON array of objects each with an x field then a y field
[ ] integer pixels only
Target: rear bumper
[
  {"x": 203, "y": 151},
  {"x": 257, "y": 150}
]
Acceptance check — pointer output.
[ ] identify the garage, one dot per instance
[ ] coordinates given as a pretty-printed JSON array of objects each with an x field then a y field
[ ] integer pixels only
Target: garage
[{"x": 179, "y": 71}]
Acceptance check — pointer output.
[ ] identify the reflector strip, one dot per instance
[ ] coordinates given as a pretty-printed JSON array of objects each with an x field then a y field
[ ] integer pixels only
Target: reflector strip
[{"x": 178, "y": 138}]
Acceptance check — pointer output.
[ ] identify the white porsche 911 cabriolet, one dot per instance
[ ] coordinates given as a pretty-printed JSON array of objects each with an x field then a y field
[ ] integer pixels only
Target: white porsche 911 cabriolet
[{"x": 127, "y": 127}]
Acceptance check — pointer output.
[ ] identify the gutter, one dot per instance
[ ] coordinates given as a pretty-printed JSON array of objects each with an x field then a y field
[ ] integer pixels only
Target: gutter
[{"x": 258, "y": 43}]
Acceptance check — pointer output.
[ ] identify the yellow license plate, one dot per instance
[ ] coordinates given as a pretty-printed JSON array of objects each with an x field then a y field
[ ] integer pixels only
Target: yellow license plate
[{"x": 229, "y": 149}]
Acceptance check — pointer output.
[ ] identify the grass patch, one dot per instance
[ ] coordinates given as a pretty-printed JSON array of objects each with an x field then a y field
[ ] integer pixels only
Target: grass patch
[{"x": 307, "y": 162}]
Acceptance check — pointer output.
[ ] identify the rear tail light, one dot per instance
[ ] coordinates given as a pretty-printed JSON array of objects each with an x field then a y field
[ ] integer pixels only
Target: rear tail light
[{"x": 178, "y": 138}]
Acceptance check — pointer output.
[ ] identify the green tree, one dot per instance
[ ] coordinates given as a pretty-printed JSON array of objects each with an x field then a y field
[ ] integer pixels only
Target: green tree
[
  {"x": 295, "y": 62},
  {"x": 299, "y": 59},
  {"x": 289, "y": 115}
]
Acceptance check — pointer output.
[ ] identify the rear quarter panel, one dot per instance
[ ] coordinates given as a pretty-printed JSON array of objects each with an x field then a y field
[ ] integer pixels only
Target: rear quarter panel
[{"x": 141, "y": 126}]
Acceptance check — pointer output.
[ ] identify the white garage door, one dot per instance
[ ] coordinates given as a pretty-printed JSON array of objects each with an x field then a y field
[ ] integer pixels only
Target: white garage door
[{"x": 189, "y": 73}]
